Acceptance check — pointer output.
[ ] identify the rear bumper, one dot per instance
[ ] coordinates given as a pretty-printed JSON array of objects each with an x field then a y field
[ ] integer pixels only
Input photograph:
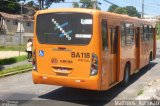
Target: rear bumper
[{"x": 91, "y": 83}]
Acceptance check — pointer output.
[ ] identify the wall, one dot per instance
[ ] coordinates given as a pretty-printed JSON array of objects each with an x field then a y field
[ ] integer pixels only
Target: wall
[
  {"x": 28, "y": 29},
  {"x": 9, "y": 27},
  {"x": 15, "y": 39}
]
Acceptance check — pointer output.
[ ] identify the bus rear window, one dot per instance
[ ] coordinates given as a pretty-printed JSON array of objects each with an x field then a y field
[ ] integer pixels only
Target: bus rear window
[{"x": 64, "y": 28}]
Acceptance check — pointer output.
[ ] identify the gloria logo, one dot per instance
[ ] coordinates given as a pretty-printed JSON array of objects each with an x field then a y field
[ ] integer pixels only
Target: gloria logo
[{"x": 54, "y": 60}]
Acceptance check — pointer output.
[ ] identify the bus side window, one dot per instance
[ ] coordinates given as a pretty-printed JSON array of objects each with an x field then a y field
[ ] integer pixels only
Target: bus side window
[
  {"x": 150, "y": 32},
  {"x": 142, "y": 33},
  {"x": 104, "y": 34},
  {"x": 123, "y": 33},
  {"x": 129, "y": 34},
  {"x": 137, "y": 36},
  {"x": 113, "y": 40},
  {"x": 145, "y": 34}
]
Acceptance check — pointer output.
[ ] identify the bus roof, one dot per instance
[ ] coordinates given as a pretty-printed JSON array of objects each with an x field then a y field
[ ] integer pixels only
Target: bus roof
[{"x": 93, "y": 11}]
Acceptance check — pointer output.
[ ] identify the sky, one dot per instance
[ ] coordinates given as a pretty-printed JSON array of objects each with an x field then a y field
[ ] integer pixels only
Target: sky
[{"x": 151, "y": 7}]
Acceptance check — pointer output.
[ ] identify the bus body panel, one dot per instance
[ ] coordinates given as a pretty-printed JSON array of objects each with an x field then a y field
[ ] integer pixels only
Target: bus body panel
[
  {"x": 91, "y": 83},
  {"x": 70, "y": 61}
]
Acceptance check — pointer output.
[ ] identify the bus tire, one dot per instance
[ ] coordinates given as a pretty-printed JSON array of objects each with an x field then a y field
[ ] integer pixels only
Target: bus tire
[
  {"x": 150, "y": 57},
  {"x": 126, "y": 75}
]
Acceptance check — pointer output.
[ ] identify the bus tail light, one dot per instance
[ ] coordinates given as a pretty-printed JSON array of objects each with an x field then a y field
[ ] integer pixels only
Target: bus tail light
[
  {"x": 34, "y": 61},
  {"x": 94, "y": 65}
]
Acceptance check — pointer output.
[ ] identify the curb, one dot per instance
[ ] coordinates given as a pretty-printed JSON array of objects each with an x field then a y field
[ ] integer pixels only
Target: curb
[{"x": 15, "y": 72}]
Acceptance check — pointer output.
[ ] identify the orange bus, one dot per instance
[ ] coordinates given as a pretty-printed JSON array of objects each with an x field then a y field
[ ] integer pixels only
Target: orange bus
[{"x": 90, "y": 49}]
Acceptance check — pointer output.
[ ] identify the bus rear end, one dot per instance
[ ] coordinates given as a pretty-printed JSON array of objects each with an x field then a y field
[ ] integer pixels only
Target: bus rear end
[{"x": 65, "y": 52}]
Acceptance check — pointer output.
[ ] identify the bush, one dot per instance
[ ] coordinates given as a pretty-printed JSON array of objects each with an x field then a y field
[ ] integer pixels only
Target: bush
[{"x": 13, "y": 60}]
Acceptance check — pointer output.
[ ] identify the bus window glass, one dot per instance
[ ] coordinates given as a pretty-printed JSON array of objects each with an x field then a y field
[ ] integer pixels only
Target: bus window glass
[
  {"x": 123, "y": 37},
  {"x": 150, "y": 32},
  {"x": 64, "y": 28},
  {"x": 145, "y": 34},
  {"x": 104, "y": 35},
  {"x": 129, "y": 33},
  {"x": 142, "y": 33},
  {"x": 113, "y": 40}
]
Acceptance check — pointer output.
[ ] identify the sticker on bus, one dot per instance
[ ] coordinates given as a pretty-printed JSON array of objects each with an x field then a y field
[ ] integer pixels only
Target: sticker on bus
[
  {"x": 86, "y": 21},
  {"x": 61, "y": 29},
  {"x": 82, "y": 35},
  {"x": 41, "y": 53}
]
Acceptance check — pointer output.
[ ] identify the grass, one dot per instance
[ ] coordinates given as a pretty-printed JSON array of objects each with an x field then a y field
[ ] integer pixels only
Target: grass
[
  {"x": 158, "y": 37},
  {"x": 17, "y": 69},
  {"x": 140, "y": 92},
  {"x": 13, "y": 60},
  {"x": 13, "y": 48}
]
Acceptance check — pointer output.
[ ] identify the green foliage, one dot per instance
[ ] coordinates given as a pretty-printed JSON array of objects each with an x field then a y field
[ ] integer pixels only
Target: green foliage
[
  {"x": 13, "y": 48},
  {"x": 13, "y": 60},
  {"x": 47, "y": 3},
  {"x": 85, "y": 4},
  {"x": 17, "y": 69},
  {"x": 129, "y": 10},
  {"x": 158, "y": 28},
  {"x": 13, "y": 6},
  {"x": 158, "y": 37},
  {"x": 140, "y": 92},
  {"x": 9, "y": 7},
  {"x": 120, "y": 10},
  {"x": 75, "y": 5},
  {"x": 30, "y": 3},
  {"x": 112, "y": 8}
]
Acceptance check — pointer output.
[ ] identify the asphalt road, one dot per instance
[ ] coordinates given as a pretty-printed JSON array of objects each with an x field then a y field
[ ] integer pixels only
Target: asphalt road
[{"x": 20, "y": 87}]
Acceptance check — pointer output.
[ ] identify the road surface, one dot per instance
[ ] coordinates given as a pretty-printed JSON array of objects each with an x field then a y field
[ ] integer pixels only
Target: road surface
[{"x": 20, "y": 87}]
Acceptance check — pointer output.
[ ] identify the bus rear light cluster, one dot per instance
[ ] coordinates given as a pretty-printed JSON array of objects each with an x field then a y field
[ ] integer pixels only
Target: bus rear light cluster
[
  {"x": 94, "y": 65},
  {"x": 34, "y": 61}
]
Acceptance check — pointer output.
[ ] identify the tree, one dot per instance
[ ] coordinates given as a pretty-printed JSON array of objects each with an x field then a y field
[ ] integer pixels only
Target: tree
[
  {"x": 10, "y": 6},
  {"x": 47, "y": 3},
  {"x": 30, "y": 3},
  {"x": 14, "y": 7},
  {"x": 75, "y": 5},
  {"x": 85, "y": 4},
  {"x": 112, "y": 8},
  {"x": 120, "y": 10},
  {"x": 131, "y": 11}
]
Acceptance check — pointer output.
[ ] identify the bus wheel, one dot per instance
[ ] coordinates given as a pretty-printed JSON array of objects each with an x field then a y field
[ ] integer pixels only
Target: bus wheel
[
  {"x": 126, "y": 75},
  {"x": 150, "y": 57}
]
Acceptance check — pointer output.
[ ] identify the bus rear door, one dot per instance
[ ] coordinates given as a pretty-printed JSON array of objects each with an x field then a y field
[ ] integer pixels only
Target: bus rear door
[{"x": 113, "y": 51}]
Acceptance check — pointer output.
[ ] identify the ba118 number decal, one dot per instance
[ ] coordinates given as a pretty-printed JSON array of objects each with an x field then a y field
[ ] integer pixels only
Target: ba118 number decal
[{"x": 80, "y": 55}]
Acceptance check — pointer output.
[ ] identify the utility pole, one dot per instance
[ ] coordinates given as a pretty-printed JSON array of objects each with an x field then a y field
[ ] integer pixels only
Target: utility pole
[
  {"x": 142, "y": 9},
  {"x": 94, "y": 4},
  {"x": 20, "y": 31}
]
